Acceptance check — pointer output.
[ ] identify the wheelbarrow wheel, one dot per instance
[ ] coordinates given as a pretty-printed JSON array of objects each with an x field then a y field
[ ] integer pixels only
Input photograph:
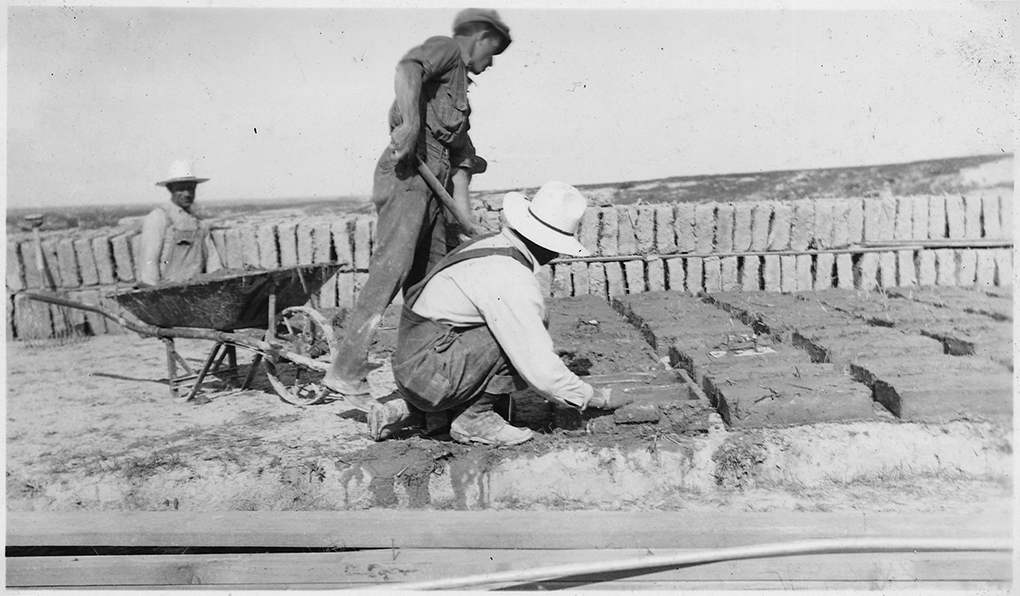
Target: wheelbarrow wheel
[{"x": 305, "y": 332}]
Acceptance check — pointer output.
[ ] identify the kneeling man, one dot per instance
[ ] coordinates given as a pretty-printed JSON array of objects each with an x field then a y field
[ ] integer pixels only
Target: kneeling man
[{"x": 475, "y": 328}]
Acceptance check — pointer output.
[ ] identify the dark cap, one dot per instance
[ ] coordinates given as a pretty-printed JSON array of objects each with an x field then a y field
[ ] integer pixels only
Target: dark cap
[{"x": 484, "y": 15}]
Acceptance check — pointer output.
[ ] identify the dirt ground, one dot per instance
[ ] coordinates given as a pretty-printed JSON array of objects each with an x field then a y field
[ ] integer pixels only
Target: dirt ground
[{"x": 91, "y": 426}]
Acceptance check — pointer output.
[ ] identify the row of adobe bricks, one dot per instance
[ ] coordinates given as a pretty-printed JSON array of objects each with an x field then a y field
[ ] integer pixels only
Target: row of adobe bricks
[{"x": 838, "y": 356}]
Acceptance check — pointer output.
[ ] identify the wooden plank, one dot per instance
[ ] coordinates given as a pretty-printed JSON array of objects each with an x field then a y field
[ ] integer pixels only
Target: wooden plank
[
  {"x": 945, "y": 259},
  {"x": 634, "y": 274},
  {"x": 724, "y": 222},
  {"x": 761, "y": 215},
  {"x": 269, "y": 253},
  {"x": 704, "y": 227},
  {"x": 391, "y": 567},
  {"x": 887, "y": 269},
  {"x": 102, "y": 253},
  {"x": 67, "y": 262},
  {"x": 86, "y": 261},
  {"x": 609, "y": 232},
  {"x": 788, "y": 273},
  {"x": 803, "y": 225},
  {"x": 824, "y": 265},
  {"x": 219, "y": 238},
  {"x": 937, "y": 224},
  {"x": 966, "y": 271},
  {"x": 15, "y": 273},
  {"x": 906, "y": 270},
  {"x": 665, "y": 234},
  {"x": 579, "y": 278},
  {"x": 695, "y": 279},
  {"x": 123, "y": 263},
  {"x": 750, "y": 274},
  {"x": 588, "y": 233},
  {"x": 597, "y": 280},
  {"x": 96, "y": 321},
  {"x": 626, "y": 241},
  {"x": 919, "y": 212},
  {"x": 675, "y": 276},
  {"x": 713, "y": 274},
  {"x": 395, "y": 528},
  {"x": 955, "y": 216},
  {"x": 644, "y": 229},
  {"x": 972, "y": 216},
  {"x": 779, "y": 230},
  {"x": 683, "y": 226},
  {"x": 615, "y": 280},
  {"x": 286, "y": 238},
  {"x": 772, "y": 274},
  {"x": 844, "y": 271}
]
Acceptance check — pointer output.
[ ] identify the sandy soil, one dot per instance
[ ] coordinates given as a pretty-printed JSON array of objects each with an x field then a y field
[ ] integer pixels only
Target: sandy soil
[{"x": 91, "y": 426}]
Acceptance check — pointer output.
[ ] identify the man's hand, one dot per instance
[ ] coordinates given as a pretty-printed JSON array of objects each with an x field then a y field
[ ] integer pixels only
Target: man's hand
[
  {"x": 607, "y": 399},
  {"x": 403, "y": 140}
]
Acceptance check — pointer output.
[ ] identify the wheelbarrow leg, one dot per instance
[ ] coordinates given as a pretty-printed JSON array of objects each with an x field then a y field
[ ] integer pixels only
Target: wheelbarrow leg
[
  {"x": 205, "y": 370},
  {"x": 171, "y": 366},
  {"x": 255, "y": 362}
]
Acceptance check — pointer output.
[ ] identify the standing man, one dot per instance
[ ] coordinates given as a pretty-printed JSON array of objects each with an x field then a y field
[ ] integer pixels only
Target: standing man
[
  {"x": 475, "y": 328},
  {"x": 176, "y": 245},
  {"x": 428, "y": 125}
]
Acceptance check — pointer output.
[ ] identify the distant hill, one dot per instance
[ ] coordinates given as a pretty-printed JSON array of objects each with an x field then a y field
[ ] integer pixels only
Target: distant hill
[{"x": 922, "y": 177}]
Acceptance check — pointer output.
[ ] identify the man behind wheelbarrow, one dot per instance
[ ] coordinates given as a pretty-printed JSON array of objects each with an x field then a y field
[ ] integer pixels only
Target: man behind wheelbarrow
[
  {"x": 475, "y": 328},
  {"x": 428, "y": 125},
  {"x": 177, "y": 245}
]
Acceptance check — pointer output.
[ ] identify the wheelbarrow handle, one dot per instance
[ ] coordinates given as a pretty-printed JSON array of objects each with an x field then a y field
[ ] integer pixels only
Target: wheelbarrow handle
[{"x": 61, "y": 301}]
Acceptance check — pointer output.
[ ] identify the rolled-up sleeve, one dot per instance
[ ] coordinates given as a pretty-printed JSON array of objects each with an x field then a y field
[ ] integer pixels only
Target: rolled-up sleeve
[
  {"x": 515, "y": 313},
  {"x": 464, "y": 157}
]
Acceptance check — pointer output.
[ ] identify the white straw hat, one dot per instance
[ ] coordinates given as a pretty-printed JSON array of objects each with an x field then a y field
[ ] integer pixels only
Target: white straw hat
[
  {"x": 181, "y": 171},
  {"x": 549, "y": 220}
]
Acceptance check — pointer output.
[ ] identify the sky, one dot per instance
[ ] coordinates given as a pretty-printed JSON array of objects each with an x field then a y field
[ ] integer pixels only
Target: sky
[{"x": 283, "y": 102}]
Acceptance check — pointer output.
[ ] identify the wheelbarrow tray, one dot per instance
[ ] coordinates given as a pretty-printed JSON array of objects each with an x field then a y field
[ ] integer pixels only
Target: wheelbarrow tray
[{"x": 226, "y": 300}]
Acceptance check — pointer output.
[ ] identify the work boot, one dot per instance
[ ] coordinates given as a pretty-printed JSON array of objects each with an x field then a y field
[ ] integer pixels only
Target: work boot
[
  {"x": 480, "y": 424},
  {"x": 389, "y": 418}
]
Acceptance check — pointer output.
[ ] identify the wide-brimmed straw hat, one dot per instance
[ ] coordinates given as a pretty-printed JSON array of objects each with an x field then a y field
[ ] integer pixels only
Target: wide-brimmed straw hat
[
  {"x": 181, "y": 171},
  {"x": 550, "y": 220}
]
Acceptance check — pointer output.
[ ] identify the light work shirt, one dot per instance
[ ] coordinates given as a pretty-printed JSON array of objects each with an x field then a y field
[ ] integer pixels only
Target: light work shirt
[{"x": 499, "y": 292}]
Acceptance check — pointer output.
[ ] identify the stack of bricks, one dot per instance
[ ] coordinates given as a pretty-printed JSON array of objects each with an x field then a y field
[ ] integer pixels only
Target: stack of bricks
[{"x": 685, "y": 247}]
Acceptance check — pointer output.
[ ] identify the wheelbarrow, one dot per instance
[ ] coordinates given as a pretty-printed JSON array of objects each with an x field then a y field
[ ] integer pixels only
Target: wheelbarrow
[{"x": 257, "y": 310}]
